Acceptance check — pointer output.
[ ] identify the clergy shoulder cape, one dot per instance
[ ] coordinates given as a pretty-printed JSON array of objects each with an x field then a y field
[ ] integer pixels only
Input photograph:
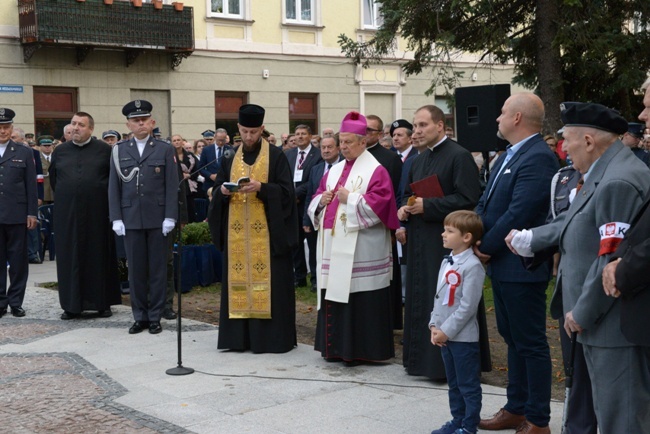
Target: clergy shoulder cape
[{"x": 355, "y": 254}]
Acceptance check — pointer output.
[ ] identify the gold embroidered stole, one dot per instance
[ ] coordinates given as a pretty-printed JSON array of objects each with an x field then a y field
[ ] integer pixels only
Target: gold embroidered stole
[{"x": 249, "y": 260}]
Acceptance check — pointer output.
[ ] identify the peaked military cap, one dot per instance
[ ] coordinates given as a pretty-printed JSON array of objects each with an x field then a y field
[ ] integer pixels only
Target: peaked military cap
[
  {"x": 7, "y": 116},
  {"x": 208, "y": 133},
  {"x": 45, "y": 140},
  {"x": 111, "y": 133},
  {"x": 635, "y": 129},
  {"x": 138, "y": 108}
]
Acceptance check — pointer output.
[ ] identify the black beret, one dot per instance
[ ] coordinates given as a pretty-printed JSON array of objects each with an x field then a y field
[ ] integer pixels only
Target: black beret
[
  {"x": 400, "y": 123},
  {"x": 137, "y": 109},
  {"x": 7, "y": 116},
  {"x": 636, "y": 129},
  {"x": 110, "y": 133},
  {"x": 593, "y": 115},
  {"x": 251, "y": 116}
]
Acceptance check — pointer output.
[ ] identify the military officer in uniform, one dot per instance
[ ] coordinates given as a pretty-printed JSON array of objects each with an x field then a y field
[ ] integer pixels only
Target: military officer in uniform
[
  {"x": 18, "y": 209},
  {"x": 111, "y": 137},
  {"x": 143, "y": 202}
]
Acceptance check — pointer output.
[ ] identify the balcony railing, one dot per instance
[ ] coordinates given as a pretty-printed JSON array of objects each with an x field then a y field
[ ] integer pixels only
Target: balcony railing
[{"x": 90, "y": 24}]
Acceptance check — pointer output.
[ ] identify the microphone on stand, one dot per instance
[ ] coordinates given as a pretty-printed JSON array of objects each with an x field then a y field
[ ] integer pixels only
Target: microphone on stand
[{"x": 180, "y": 369}]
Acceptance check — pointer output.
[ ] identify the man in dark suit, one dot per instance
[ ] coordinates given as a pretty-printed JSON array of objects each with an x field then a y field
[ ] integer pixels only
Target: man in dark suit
[
  {"x": 393, "y": 163},
  {"x": 518, "y": 196},
  {"x": 401, "y": 131},
  {"x": 301, "y": 159},
  {"x": 212, "y": 155},
  {"x": 143, "y": 205},
  {"x": 329, "y": 151},
  {"x": 18, "y": 209}
]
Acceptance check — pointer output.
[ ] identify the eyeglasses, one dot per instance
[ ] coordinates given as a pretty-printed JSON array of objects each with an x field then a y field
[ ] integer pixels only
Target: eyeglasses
[{"x": 372, "y": 130}]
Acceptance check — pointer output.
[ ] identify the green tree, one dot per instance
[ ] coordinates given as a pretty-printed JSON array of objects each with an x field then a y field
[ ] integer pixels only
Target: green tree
[{"x": 566, "y": 50}]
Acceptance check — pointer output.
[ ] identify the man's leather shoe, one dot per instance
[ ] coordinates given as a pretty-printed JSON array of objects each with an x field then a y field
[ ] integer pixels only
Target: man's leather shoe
[
  {"x": 3, "y": 311},
  {"x": 35, "y": 261},
  {"x": 168, "y": 313},
  {"x": 530, "y": 428},
  {"x": 503, "y": 419},
  {"x": 69, "y": 315},
  {"x": 105, "y": 313},
  {"x": 18, "y": 311},
  {"x": 138, "y": 326},
  {"x": 155, "y": 327}
]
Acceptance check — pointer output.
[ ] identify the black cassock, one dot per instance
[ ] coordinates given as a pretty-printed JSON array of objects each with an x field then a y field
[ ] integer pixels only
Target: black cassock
[
  {"x": 458, "y": 177},
  {"x": 86, "y": 263},
  {"x": 278, "y": 334}
]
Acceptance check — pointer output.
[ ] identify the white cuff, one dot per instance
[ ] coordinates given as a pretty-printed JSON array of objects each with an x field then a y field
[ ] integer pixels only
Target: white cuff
[{"x": 521, "y": 243}]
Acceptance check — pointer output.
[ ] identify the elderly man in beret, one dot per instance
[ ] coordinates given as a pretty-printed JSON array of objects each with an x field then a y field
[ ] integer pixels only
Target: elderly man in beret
[{"x": 613, "y": 185}]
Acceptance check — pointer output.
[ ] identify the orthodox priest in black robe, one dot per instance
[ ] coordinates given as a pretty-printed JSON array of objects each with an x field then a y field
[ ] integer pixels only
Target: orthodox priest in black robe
[
  {"x": 458, "y": 177},
  {"x": 256, "y": 229},
  {"x": 86, "y": 262}
]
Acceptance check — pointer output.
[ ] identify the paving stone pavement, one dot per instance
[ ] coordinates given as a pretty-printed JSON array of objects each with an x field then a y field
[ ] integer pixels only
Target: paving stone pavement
[{"x": 90, "y": 375}]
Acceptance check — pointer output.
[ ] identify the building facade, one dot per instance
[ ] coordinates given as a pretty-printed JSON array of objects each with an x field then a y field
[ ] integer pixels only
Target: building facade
[{"x": 281, "y": 54}]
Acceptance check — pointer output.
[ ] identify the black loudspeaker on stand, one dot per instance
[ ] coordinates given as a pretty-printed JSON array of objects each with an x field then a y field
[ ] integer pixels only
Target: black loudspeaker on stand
[{"x": 477, "y": 110}]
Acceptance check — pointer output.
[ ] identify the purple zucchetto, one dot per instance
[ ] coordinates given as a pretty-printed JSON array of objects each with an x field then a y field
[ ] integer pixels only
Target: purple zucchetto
[{"x": 354, "y": 122}]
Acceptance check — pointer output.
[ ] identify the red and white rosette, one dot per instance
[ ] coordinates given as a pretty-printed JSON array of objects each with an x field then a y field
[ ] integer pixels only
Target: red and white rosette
[{"x": 453, "y": 280}]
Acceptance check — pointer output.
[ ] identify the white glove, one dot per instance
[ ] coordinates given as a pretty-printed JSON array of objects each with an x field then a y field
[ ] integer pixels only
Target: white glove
[
  {"x": 168, "y": 226},
  {"x": 118, "y": 228},
  {"x": 200, "y": 178},
  {"x": 521, "y": 243}
]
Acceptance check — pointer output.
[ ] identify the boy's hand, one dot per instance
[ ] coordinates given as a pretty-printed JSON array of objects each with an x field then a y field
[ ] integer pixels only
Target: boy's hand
[
  {"x": 434, "y": 332},
  {"x": 441, "y": 338}
]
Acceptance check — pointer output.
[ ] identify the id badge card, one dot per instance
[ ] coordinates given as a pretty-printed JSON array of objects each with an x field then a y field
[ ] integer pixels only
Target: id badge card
[{"x": 297, "y": 176}]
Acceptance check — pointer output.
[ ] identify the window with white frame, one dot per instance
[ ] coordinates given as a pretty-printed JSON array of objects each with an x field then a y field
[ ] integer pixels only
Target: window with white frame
[
  {"x": 372, "y": 18},
  {"x": 227, "y": 8},
  {"x": 299, "y": 11}
]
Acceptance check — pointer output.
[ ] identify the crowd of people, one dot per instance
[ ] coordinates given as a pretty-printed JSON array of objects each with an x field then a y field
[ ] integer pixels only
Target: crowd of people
[{"x": 393, "y": 225}]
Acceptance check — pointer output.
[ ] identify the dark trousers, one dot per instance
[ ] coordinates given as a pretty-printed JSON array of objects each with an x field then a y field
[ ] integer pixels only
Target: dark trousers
[
  {"x": 299, "y": 263},
  {"x": 146, "y": 251},
  {"x": 13, "y": 250},
  {"x": 312, "y": 238},
  {"x": 521, "y": 320},
  {"x": 463, "y": 369},
  {"x": 581, "y": 417},
  {"x": 34, "y": 244}
]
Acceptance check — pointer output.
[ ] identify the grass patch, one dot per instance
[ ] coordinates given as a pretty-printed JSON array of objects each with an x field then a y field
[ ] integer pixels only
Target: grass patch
[{"x": 211, "y": 289}]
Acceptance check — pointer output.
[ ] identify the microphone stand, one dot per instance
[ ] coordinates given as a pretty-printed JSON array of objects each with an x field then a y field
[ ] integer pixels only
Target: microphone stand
[
  {"x": 178, "y": 255},
  {"x": 180, "y": 369}
]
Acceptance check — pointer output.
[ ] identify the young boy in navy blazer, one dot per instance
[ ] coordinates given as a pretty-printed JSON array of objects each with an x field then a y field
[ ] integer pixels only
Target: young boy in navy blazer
[{"x": 453, "y": 324}]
